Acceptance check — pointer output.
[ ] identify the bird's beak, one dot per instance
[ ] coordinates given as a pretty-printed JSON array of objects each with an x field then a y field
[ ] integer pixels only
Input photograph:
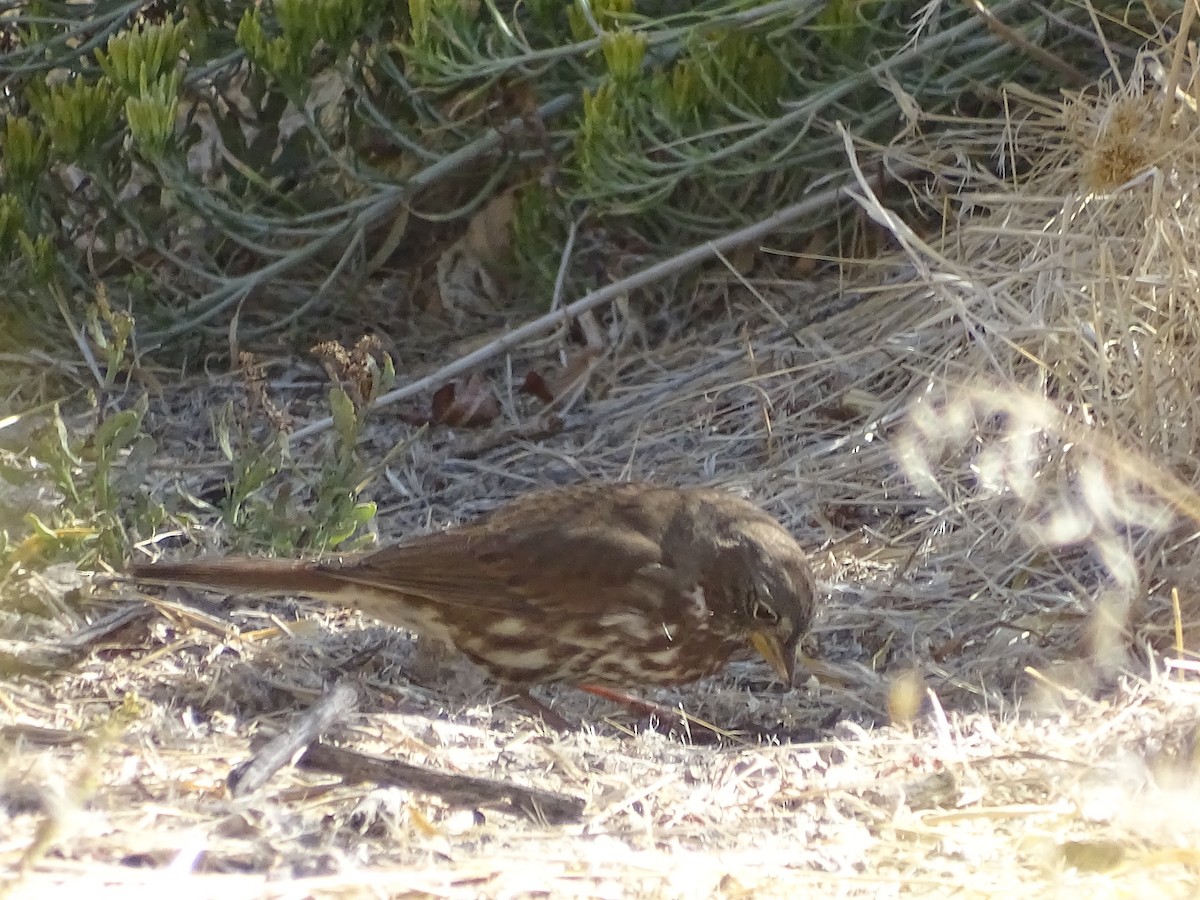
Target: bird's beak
[{"x": 772, "y": 651}]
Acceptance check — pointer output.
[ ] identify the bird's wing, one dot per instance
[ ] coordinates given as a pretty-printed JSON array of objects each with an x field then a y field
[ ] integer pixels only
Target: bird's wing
[{"x": 534, "y": 570}]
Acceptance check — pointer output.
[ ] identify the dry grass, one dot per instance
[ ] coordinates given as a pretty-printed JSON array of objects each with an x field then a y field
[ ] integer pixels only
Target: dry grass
[{"x": 990, "y": 452}]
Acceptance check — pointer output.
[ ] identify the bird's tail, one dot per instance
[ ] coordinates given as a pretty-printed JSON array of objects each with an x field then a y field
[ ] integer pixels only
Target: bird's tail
[{"x": 242, "y": 574}]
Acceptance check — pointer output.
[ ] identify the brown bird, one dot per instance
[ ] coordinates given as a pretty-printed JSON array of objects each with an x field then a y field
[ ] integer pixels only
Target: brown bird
[{"x": 626, "y": 585}]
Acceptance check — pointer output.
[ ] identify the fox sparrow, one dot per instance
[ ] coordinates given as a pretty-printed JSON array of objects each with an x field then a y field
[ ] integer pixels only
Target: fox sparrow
[{"x": 628, "y": 585}]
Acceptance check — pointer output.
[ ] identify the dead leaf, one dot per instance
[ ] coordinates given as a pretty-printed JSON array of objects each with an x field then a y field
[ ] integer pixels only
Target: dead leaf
[
  {"x": 535, "y": 385},
  {"x": 805, "y": 261},
  {"x": 474, "y": 406},
  {"x": 570, "y": 379}
]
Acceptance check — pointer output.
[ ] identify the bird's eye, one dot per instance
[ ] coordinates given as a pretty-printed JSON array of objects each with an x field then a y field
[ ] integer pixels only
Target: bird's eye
[{"x": 763, "y": 613}]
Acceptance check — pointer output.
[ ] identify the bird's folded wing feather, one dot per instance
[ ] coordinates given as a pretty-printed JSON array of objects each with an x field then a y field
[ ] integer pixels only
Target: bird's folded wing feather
[{"x": 552, "y": 565}]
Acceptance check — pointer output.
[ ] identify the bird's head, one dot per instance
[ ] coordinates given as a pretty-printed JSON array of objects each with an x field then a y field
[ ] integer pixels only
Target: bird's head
[{"x": 765, "y": 575}]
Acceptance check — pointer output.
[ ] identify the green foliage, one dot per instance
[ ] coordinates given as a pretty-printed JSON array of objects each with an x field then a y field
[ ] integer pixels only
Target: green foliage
[
  {"x": 537, "y": 235},
  {"x": 600, "y": 130},
  {"x": 285, "y": 58},
  {"x": 136, "y": 59},
  {"x": 151, "y": 115},
  {"x": 97, "y": 466},
  {"x": 144, "y": 64},
  {"x": 39, "y": 256},
  {"x": 100, "y": 477},
  {"x": 12, "y": 224},
  {"x": 442, "y": 38},
  {"x": 25, "y": 152},
  {"x": 845, "y": 24},
  {"x": 79, "y": 116},
  {"x": 275, "y": 503},
  {"x": 254, "y": 463},
  {"x": 604, "y": 15},
  {"x": 101, "y": 467},
  {"x": 624, "y": 52},
  {"x": 743, "y": 68},
  {"x": 109, "y": 331},
  {"x": 294, "y": 130}
]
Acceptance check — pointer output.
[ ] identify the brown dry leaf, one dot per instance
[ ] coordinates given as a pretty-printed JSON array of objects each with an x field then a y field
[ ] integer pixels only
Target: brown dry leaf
[
  {"x": 805, "y": 262},
  {"x": 567, "y": 380},
  {"x": 474, "y": 406},
  {"x": 356, "y": 370},
  {"x": 254, "y": 380},
  {"x": 535, "y": 385},
  {"x": 489, "y": 236}
]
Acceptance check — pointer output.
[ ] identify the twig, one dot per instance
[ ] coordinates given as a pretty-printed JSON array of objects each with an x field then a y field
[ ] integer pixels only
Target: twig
[
  {"x": 366, "y": 213},
  {"x": 41, "y": 656},
  {"x": 454, "y": 789},
  {"x": 338, "y": 703},
  {"x": 1016, "y": 39},
  {"x": 678, "y": 263},
  {"x": 119, "y": 618},
  {"x": 1177, "y": 60},
  {"x": 41, "y": 736}
]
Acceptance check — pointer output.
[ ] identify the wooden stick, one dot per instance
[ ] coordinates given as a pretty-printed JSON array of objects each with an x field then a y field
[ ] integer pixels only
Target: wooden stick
[
  {"x": 464, "y": 790},
  {"x": 280, "y": 750},
  {"x": 607, "y": 294}
]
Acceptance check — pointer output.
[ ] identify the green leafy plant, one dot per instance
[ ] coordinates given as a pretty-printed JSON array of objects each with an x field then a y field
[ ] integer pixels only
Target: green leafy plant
[
  {"x": 100, "y": 478},
  {"x": 278, "y": 503},
  {"x": 162, "y": 148}
]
